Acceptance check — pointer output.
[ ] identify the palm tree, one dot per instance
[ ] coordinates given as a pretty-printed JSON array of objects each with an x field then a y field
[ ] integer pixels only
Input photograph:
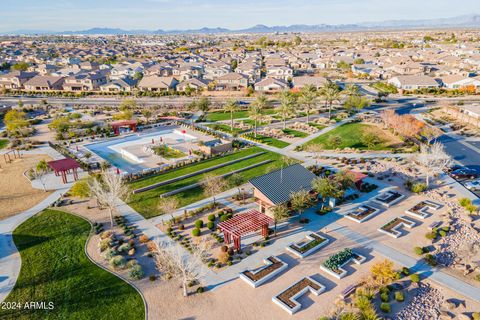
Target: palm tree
[
  {"x": 330, "y": 93},
  {"x": 255, "y": 113},
  {"x": 327, "y": 188},
  {"x": 308, "y": 97},
  {"x": 351, "y": 90},
  {"x": 231, "y": 106},
  {"x": 286, "y": 107},
  {"x": 280, "y": 213}
]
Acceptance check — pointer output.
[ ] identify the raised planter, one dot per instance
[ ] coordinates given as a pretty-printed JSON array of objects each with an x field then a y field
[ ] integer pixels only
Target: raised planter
[
  {"x": 392, "y": 228},
  {"x": 362, "y": 213},
  {"x": 389, "y": 198},
  {"x": 304, "y": 248},
  {"x": 287, "y": 299},
  {"x": 273, "y": 266},
  {"x": 340, "y": 272},
  {"x": 420, "y": 210}
]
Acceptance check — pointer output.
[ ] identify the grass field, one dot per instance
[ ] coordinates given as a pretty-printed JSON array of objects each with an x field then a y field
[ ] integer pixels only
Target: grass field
[
  {"x": 295, "y": 133},
  {"x": 224, "y": 128},
  {"x": 269, "y": 141},
  {"x": 3, "y": 143},
  {"x": 56, "y": 269},
  {"x": 316, "y": 125},
  {"x": 222, "y": 116},
  {"x": 146, "y": 203},
  {"x": 351, "y": 136}
]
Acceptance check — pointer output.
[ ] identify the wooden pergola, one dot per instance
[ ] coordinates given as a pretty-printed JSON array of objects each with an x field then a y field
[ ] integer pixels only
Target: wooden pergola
[
  {"x": 233, "y": 229},
  {"x": 63, "y": 167},
  {"x": 131, "y": 124}
]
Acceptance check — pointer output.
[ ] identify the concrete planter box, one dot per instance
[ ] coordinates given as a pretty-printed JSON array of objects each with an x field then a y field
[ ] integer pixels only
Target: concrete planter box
[
  {"x": 389, "y": 198},
  {"x": 355, "y": 215},
  {"x": 398, "y": 223},
  {"x": 292, "y": 248},
  {"x": 422, "y": 212},
  {"x": 269, "y": 275},
  {"x": 317, "y": 290},
  {"x": 357, "y": 259}
]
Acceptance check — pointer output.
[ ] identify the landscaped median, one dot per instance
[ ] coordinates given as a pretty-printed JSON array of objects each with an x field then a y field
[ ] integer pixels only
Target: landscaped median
[
  {"x": 146, "y": 203},
  {"x": 56, "y": 269}
]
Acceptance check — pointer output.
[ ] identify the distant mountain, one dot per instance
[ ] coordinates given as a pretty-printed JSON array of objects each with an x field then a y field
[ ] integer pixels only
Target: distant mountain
[{"x": 472, "y": 21}]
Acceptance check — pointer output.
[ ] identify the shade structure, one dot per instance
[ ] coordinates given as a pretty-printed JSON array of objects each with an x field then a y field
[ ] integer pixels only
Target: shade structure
[
  {"x": 357, "y": 178},
  {"x": 63, "y": 167},
  {"x": 131, "y": 124},
  {"x": 233, "y": 229}
]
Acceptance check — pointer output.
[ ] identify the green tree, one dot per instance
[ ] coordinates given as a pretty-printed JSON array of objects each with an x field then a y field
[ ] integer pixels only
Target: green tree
[
  {"x": 356, "y": 103},
  {"x": 308, "y": 99},
  {"x": 231, "y": 106},
  {"x": 330, "y": 93},
  {"x": 300, "y": 200},
  {"x": 147, "y": 114},
  {"x": 334, "y": 141},
  {"x": 345, "y": 179},
  {"x": 286, "y": 107},
  {"x": 81, "y": 189},
  {"x": 326, "y": 188},
  {"x": 15, "y": 121},
  {"x": 203, "y": 104},
  {"x": 370, "y": 139},
  {"x": 20, "y": 66},
  {"x": 280, "y": 213},
  {"x": 127, "y": 104}
]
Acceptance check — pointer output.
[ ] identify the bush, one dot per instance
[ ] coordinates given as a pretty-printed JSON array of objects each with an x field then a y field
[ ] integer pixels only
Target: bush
[
  {"x": 399, "y": 296},
  {"x": 210, "y": 225},
  {"x": 196, "y": 232},
  {"x": 181, "y": 226},
  {"x": 385, "y": 297},
  {"x": 104, "y": 244},
  {"x": 118, "y": 262},
  {"x": 136, "y": 272},
  {"x": 200, "y": 289},
  {"x": 418, "y": 250},
  {"x": 415, "y": 278},
  {"x": 199, "y": 224},
  {"x": 143, "y": 238},
  {"x": 442, "y": 233},
  {"x": 385, "y": 307},
  {"x": 430, "y": 260},
  {"x": 418, "y": 187},
  {"x": 465, "y": 202},
  {"x": 431, "y": 235},
  {"x": 124, "y": 247},
  {"x": 405, "y": 271},
  {"x": 109, "y": 254},
  {"x": 476, "y": 315},
  {"x": 211, "y": 217},
  {"x": 152, "y": 277}
]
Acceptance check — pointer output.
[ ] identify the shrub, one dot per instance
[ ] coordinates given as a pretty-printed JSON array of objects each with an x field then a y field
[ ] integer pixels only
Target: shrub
[
  {"x": 224, "y": 248},
  {"x": 118, "y": 262},
  {"x": 200, "y": 289},
  {"x": 477, "y": 277},
  {"x": 476, "y": 315},
  {"x": 106, "y": 234},
  {"x": 418, "y": 250},
  {"x": 181, "y": 226},
  {"x": 199, "y": 223},
  {"x": 430, "y": 259},
  {"x": 136, "y": 272},
  {"x": 131, "y": 263},
  {"x": 196, "y": 232},
  {"x": 109, "y": 253},
  {"x": 418, "y": 187},
  {"x": 399, "y": 296},
  {"x": 415, "y": 278},
  {"x": 210, "y": 225},
  {"x": 104, "y": 244},
  {"x": 124, "y": 247},
  {"x": 442, "y": 233},
  {"x": 225, "y": 217},
  {"x": 385, "y": 307},
  {"x": 464, "y": 202},
  {"x": 211, "y": 217},
  {"x": 143, "y": 238},
  {"x": 405, "y": 271},
  {"x": 152, "y": 277},
  {"x": 385, "y": 297},
  {"x": 431, "y": 235}
]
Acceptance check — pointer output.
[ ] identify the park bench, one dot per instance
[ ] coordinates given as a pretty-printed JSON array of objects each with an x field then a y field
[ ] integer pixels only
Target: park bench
[
  {"x": 348, "y": 291},
  {"x": 434, "y": 225}
]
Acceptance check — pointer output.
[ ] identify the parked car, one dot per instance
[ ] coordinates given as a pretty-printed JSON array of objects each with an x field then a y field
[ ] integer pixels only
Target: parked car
[
  {"x": 465, "y": 173},
  {"x": 473, "y": 185}
]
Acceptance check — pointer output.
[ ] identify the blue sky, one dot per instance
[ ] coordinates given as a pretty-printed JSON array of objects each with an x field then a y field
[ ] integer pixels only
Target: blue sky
[{"x": 60, "y": 15}]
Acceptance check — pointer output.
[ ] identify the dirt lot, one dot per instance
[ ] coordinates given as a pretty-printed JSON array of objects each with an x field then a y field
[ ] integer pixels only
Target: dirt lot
[{"x": 16, "y": 193}]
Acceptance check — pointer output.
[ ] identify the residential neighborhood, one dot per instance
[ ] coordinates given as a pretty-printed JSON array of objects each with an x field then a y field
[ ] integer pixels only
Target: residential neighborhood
[{"x": 316, "y": 168}]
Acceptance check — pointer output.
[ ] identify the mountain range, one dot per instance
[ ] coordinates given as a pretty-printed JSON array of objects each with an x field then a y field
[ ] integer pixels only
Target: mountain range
[{"x": 466, "y": 21}]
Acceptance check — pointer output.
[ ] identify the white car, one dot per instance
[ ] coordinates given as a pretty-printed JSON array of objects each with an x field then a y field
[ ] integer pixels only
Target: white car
[{"x": 473, "y": 185}]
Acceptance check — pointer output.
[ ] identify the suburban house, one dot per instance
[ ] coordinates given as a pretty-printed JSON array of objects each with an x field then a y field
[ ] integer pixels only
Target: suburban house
[
  {"x": 461, "y": 82},
  {"x": 193, "y": 83},
  {"x": 119, "y": 85},
  {"x": 156, "y": 83},
  {"x": 84, "y": 82},
  {"x": 271, "y": 85},
  {"x": 44, "y": 83},
  {"x": 232, "y": 81},
  {"x": 414, "y": 82},
  {"x": 276, "y": 187},
  {"x": 283, "y": 73},
  {"x": 15, "y": 79}
]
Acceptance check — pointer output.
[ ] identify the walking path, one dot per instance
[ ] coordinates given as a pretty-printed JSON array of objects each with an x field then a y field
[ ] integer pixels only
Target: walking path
[{"x": 10, "y": 261}]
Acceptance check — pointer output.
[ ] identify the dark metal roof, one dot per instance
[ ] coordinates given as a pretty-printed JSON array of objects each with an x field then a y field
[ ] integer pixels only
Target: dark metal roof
[{"x": 278, "y": 185}]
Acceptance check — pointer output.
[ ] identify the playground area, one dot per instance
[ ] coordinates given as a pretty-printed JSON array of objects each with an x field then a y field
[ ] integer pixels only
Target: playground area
[{"x": 17, "y": 194}]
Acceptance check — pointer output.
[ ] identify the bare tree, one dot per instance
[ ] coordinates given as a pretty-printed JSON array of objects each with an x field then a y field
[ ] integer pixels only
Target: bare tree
[
  {"x": 40, "y": 173},
  {"x": 431, "y": 133},
  {"x": 213, "y": 185},
  {"x": 108, "y": 189},
  {"x": 168, "y": 205},
  {"x": 178, "y": 264},
  {"x": 433, "y": 159},
  {"x": 315, "y": 149}
]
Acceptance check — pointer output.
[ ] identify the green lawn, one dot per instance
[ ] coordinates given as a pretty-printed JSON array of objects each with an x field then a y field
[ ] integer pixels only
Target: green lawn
[
  {"x": 295, "y": 133},
  {"x": 168, "y": 152},
  {"x": 224, "y": 128},
  {"x": 146, "y": 203},
  {"x": 316, "y": 125},
  {"x": 269, "y": 141},
  {"x": 222, "y": 116},
  {"x": 56, "y": 269},
  {"x": 351, "y": 135},
  {"x": 3, "y": 143}
]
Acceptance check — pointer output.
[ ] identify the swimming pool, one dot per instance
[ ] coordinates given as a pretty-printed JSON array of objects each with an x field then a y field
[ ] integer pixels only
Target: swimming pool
[{"x": 111, "y": 150}]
